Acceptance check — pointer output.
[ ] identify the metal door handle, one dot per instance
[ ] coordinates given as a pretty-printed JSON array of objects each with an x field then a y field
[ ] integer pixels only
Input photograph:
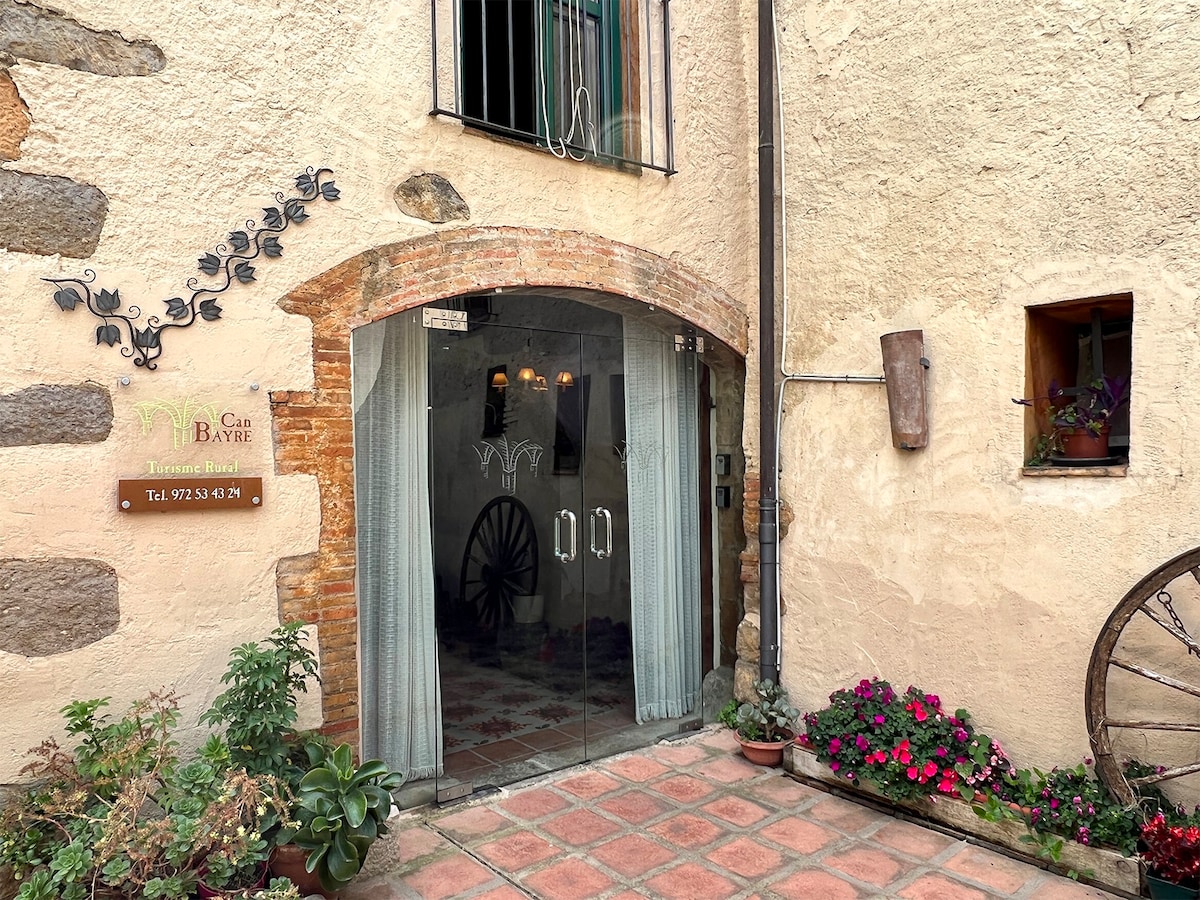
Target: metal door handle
[
  {"x": 569, "y": 554},
  {"x": 606, "y": 551}
]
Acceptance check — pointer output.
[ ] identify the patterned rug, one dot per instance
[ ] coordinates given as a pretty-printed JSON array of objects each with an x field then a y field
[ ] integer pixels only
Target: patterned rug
[{"x": 481, "y": 704}]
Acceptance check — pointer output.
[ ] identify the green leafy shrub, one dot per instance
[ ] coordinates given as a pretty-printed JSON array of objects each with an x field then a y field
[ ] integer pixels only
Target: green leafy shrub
[
  {"x": 258, "y": 708},
  {"x": 122, "y": 811},
  {"x": 768, "y": 718}
]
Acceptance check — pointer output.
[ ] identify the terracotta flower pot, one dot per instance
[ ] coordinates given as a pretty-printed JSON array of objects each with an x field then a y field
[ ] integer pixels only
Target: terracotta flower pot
[
  {"x": 764, "y": 753},
  {"x": 287, "y": 861},
  {"x": 1080, "y": 443}
]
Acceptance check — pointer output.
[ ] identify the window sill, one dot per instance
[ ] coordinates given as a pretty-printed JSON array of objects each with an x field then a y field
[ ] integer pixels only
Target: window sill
[{"x": 1117, "y": 471}]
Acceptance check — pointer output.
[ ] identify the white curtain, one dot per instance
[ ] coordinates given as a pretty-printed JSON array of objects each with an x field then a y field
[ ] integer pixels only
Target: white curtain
[
  {"x": 401, "y": 716},
  {"x": 662, "y": 469}
]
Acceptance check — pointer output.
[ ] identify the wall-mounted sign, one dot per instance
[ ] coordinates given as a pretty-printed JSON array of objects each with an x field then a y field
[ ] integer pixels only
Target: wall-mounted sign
[
  {"x": 192, "y": 437},
  {"x": 174, "y": 494}
]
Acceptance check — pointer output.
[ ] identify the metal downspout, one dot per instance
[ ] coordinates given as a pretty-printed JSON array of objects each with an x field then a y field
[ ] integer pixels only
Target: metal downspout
[{"x": 768, "y": 505}]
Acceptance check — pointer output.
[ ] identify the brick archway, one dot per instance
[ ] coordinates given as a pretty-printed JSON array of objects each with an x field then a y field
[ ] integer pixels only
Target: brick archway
[{"x": 313, "y": 430}]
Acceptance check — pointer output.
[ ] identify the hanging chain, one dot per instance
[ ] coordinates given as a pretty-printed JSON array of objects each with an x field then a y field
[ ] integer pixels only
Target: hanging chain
[{"x": 1165, "y": 599}]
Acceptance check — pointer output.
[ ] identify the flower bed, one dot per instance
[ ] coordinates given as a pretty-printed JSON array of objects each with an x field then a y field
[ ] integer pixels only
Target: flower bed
[{"x": 1104, "y": 866}]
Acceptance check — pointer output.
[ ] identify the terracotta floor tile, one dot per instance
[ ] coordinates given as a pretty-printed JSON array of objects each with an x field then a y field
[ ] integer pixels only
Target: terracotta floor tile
[
  {"x": 686, "y": 830},
  {"x": 991, "y": 869},
  {"x": 472, "y": 823},
  {"x": 517, "y": 851},
  {"x": 869, "y": 864},
  {"x": 504, "y": 892},
  {"x": 633, "y": 855},
  {"x": 636, "y": 768},
  {"x": 507, "y": 750},
  {"x": 633, "y": 806},
  {"x": 579, "y": 827},
  {"x": 447, "y": 877},
  {"x": 691, "y": 881},
  {"x": 938, "y": 887},
  {"x": 811, "y": 884},
  {"x": 847, "y": 816},
  {"x": 547, "y": 739},
  {"x": 589, "y": 785},
  {"x": 682, "y": 788},
  {"x": 571, "y": 879},
  {"x": 723, "y": 740},
  {"x": 747, "y": 858},
  {"x": 535, "y": 803},
  {"x": 783, "y": 792},
  {"x": 462, "y": 760},
  {"x": 735, "y": 810},
  {"x": 913, "y": 840},
  {"x": 730, "y": 769},
  {"x": 799, "y": 835},
  {"x": 679, "y": 754}
]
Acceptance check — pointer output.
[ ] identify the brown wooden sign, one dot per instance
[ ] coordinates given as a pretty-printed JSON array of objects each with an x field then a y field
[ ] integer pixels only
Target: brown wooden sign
[{"x": 174, "y": 494}]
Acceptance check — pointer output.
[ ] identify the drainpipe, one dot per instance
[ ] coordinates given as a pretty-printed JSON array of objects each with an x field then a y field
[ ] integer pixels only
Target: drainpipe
[{"x": 768, "y": 504}]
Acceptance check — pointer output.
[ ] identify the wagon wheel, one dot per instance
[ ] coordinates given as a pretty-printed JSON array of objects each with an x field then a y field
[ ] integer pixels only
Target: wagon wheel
[
  {"x": 500, "y": 562},
  {"x": 1147, "y": 645}
]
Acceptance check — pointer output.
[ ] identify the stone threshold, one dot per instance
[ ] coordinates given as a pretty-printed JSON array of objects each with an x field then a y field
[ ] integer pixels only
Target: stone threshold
[{"x": 1103, "y": 868}]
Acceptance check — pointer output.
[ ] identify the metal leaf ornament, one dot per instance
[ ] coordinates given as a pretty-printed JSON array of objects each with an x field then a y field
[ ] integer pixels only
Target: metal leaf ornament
[{"x": 228, "y": 263}]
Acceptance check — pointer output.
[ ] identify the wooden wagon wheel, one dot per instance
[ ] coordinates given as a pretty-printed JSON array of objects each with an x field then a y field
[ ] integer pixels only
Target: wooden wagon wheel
[
  {"x": 1153, "y": 599},
  {"x": 500, "y": 562}
]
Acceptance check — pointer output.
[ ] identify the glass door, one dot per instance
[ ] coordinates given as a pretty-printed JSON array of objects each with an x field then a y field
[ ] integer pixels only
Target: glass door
[
  {"x": 506, "y": 453},
  {"x": 565, "y": 539}
]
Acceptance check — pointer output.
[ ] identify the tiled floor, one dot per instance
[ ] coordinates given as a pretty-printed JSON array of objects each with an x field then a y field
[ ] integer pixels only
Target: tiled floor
[{"x": 690, "y": 820}]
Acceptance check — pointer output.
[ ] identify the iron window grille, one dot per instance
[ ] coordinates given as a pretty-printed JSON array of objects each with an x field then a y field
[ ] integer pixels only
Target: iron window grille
[{"x": 585, "y": 79}]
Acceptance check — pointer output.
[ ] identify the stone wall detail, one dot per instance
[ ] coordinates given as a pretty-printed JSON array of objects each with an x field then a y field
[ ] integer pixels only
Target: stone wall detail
[
  {"x": 431, "y": 197},
  {"x": 55, "y": 414},
  {"x": 50, "y": 606},
  {"x": 314, "y": 429},
  {"x": 51, "y": 215}
]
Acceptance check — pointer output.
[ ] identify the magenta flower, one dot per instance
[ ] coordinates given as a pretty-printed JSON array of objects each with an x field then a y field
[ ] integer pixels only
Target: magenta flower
[
  {"x": 861, "y": 742},
  {"x": 834, "y": 766},
  {"x": 879, "y": 720},
  {"x": 835, "y": 745},
  {"x": 942, "y": 751}
]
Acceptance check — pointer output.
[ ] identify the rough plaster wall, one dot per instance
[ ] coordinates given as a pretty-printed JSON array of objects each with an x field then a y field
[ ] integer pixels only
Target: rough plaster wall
[
  {"x": 949, "y": 164},
  {"x": 250, "y": 94}
]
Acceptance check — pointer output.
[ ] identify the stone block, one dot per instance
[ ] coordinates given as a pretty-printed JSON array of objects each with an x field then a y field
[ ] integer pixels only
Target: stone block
[
  {"x": 45, "y": 35},
  {"x": 50, "y": 606},
  {"x": 745, "y": 673},
  {"x": 55, "y": 414},
  {"x": 14, "y": 118},
  {"x": 432, "y": 198},
  {"x": 49, "y": 214},
  {"x": 717, "y": 691},
  {"x": 748, "y": 639}
]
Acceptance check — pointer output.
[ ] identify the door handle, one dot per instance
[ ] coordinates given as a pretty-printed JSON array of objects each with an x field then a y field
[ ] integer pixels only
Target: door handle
[
  {"x": 569, "y": 554},
  {"x": 606, "y": 551}
]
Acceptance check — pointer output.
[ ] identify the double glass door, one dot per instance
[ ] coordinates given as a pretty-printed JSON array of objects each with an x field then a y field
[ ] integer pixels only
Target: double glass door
[{"x": 531, "y": 469}]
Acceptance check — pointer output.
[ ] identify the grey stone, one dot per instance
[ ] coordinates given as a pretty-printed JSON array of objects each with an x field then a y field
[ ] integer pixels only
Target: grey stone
[
  {"x": 50, "y": 606},
  {"x": 41, "y": 34},
  {"x": 49, "y": 214},
  {"x": 744, "y": 675},
  {"x": 748, "y": 641},
  {"x": 432, "y": 198},
  {"x": 717, "y": 691},
  {"x": 55, "y": 414}
]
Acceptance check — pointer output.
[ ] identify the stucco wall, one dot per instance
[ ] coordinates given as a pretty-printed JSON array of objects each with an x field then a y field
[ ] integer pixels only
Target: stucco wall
[
  {"x": 948, "y": 165},
  {"x": 249, "y": 95}
]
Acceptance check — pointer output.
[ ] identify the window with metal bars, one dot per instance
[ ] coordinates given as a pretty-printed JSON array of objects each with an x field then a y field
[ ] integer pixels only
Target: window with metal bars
[{"x": 576, "y": 77}]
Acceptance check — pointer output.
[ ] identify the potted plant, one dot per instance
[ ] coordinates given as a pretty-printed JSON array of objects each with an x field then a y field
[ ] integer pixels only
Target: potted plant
[
  {"x": 766, "y": 725},
  {"x": 339, "y": 812},
  {"x": 1172, "y": 857},
  {"x": 1079, "y": 426}
]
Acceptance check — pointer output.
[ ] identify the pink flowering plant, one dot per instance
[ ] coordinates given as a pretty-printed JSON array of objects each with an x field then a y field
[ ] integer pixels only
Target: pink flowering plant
[{"x": 904, "y": 743}]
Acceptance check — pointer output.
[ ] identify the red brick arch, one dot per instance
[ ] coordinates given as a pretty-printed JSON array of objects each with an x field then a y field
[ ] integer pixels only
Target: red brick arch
[{"x": 313, "y": 430}]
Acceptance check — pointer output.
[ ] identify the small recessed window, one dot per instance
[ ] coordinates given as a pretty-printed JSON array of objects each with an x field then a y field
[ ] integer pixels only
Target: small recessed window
[{"x": 1078, "y": 355}]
